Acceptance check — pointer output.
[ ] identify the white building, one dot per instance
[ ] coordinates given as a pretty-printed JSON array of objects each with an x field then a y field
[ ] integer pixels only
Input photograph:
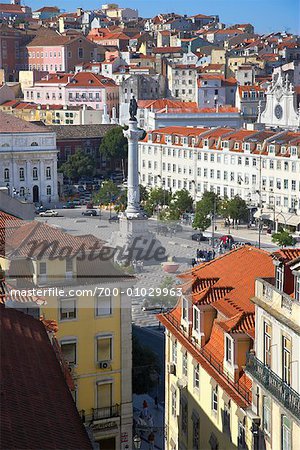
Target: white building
[
  {"x": 28, "y": 160},
  {"x": 274, "y": 366},
  {"x": 230, "y": 162},
  {"x": 281, "y": 108}
]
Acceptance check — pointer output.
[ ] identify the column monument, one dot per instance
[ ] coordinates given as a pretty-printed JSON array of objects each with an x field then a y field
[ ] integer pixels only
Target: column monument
[{"x": 134, "y": 238}]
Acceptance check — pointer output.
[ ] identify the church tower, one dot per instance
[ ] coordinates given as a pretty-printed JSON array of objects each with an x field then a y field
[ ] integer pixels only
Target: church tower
[{"x": 281, "y": 108}]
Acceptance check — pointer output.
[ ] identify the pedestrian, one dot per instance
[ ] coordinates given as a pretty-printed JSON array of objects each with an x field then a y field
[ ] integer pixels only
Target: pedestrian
[
  {"x": 193, "y": 262},
  {"x": 145, "y": 409}
]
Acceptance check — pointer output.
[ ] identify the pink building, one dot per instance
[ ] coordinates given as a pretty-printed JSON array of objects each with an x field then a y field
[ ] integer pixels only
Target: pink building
[
  {"x": 83, "y": 88},
  {"x": 51, "y": 52}
]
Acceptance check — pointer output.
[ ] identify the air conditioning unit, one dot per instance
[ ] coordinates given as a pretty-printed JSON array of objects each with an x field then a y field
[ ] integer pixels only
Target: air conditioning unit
[
  {"x": 171, "y": 369},
  {"x": 104, "y": 364}
]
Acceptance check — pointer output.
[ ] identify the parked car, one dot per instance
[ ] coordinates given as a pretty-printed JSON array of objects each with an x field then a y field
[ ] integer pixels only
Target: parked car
[
  {"x": 89, "y": 212},
  {"x": 227, "y": 239},
  {"x": 199, "y": 237},
  {"x": 40, "y": 209},
  {"x": 69, "y": 205},
  {"x": 113, "y": 219},
  {"x": 49, "y": 213}
]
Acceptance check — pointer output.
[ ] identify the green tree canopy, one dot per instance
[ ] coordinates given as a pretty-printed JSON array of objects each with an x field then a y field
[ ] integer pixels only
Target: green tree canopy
[
  {"x": 157, "y": 196},
  {"x": 236, "y": 209},
  {"x": 209, "y": 204},
  {"x": 109, "y": 192},
  {"x": 182, "y": 201},
  {"x": 114, "y": 143},
  {"x": 283, "y": 238},
  {"x": 201, "y": 221},
  {"x": 78, "y": 165}
]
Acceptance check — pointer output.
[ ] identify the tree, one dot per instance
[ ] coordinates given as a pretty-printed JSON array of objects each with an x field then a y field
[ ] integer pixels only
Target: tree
[
  {"x": 78, "y": 165},
  {"x": 144, "y": 194},
  {"x": 182, "y": 201},
  {"x": 157, "y": 196},
  {"x": 236, "y": 209},
  {"x": 283, "y": 239},
  {"x": 114, "y": 144},
  {"x": 145, "y": 368},
  {"x": 205, "y": 208},
  {"x": 108, "y": 193}
]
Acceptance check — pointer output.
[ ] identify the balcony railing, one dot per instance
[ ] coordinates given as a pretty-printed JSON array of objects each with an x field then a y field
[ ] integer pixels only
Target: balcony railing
[
  {"x": 106, "y": 412},
  {"x": 287, "y": 303},
  {"x": 212, "y": 360},
  {"x": 287, "y": 396}
]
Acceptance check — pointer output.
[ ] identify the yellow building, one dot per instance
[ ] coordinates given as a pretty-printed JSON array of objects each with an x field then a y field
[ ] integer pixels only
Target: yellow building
[
  {"x": 274, "y": 363},
  {"x": 208, "y": 335},
  {"x": 82, "y": 292}
]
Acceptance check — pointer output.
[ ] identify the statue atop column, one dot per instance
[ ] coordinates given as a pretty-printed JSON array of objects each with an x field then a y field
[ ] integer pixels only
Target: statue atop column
[{"x": 133, "y": 109}]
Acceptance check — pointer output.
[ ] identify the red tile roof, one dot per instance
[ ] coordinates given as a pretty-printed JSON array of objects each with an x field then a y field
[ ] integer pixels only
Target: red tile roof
[
  {"x": 167, "y": 50},
  {"x": 37, "y": 408},
  {"x": 287, "y": 255},
  {"x": 12, "y": 124}
]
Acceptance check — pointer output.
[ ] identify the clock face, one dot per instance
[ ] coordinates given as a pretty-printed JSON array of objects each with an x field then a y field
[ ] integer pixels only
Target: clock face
[{"x": 278, "y": 111}]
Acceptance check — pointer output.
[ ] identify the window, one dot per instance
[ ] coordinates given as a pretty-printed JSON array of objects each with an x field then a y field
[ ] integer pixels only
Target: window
[
  {"x": 48, "y": 190},
  {"x": 35, "y": 173},
  {"x": 242, "y": 434},
  {"x": 174, "y": 352},
  {"x": 228, "y": 349},
  {"x": 43, "y": 270},
  {"x": 48, "y": 173},
  {"x": 214, "y": 399},
  {"x": 185, "y": 364},
  {"x": 104, "y": 394},
  {"x": 185, "y": 309},
  {"x": 103, "y": 306},
  {"x": 69, "y": 268},
  {"x": 226, "y": 417},
  {"x": 67, "y": 310},
  {"x": 69, "y": 352},
  {"x": 286, "y": 360},
  {"x": 80, "y": 52},
  {"x": 297, "y": 288},
  {"x": 104, "y": 348},
  {"x": 196, "y": 376},
  {"x": 286, "y": 440},
  {"x": 196, "y": 426},
  {"x": 279, "y": 277},
  {"x": 6, "y": 174},
  {"x": 184, "y": 415},
  {"x": 173, "y": 403},
  {"x": 21, "y": 174},
  {"x": 267, "y": 414},
  {"x": 267, "y": 344},
  {"x": 196, "y": 319}
]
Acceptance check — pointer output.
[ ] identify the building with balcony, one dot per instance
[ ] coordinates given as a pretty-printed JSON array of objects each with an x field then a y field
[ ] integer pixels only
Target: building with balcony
[
  {"x": 208, "y": 335},
  {"x": 28, "y": 160},
  {"x": 78, "y": 287},
  {"x": 262, "y": 167},
  {"x": 273, "y": 365},
  {"x": 83, "y": 88}
]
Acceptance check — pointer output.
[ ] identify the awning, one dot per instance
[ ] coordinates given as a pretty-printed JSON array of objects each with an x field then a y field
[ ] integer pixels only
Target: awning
[
  {"x": 262, "y": 215},
  {"x": 288, "y": 219}
]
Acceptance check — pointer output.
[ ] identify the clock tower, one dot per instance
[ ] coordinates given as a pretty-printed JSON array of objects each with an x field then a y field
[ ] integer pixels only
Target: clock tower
[{"x": 281, "y": 109}]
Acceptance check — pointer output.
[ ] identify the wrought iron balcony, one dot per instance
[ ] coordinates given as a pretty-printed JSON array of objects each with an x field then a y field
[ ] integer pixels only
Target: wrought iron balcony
[
  {"x": 106, "y": 412},
  {"x": 286, "y": 395}
]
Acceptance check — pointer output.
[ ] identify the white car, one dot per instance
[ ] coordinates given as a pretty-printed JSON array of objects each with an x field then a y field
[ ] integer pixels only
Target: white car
[{"x": 49, "y": 213}]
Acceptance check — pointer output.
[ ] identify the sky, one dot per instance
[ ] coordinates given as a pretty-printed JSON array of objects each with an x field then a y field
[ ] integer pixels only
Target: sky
[{"x": 265, "y": 15}]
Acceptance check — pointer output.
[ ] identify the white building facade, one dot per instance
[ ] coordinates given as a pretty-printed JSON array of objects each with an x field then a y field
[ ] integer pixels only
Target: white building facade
[
  {"x": 28, "y": 160},
  {"x": 262, "y": 167}
]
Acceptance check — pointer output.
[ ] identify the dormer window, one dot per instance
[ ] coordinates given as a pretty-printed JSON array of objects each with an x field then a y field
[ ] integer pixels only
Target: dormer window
[
  {"x": 297, "y": 288},
  {"x": 176, "y": 139},
  {"x": 294, "y": 151},
  {"x": 236, "y": 145},
  {"x": 185, "y": 309},
  {"x": 196, "y": 320},
  {"x": 193, "y": 141},
  {"x": 228, "y": 350},
  {"x": 283, "y": 150},
  {"x": 224, "y": 144},
  {"x": 205, "y": 143},
  {"x": 246, "y": 146},
  {"x": 279, "y": 277},
  {"x": 271, "y": 148},
  {"x": 158, "y": 138}
]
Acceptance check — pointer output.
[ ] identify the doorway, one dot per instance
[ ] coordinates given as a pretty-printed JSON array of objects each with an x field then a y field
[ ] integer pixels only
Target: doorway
[{"x": 35, "y": 194}]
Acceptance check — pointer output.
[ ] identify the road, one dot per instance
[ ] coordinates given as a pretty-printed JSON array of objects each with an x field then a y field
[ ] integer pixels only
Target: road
[{"x": 154, "y": 339}]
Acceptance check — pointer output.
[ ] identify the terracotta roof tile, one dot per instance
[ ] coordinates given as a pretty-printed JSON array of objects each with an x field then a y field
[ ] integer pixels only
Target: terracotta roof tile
[
  {"x": 12, "y": 124},
  {"x": 34, "y": 393}
]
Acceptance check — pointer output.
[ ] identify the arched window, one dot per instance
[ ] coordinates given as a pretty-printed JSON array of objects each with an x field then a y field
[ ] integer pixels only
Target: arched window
[
  {"x": 34, "y": 144},
  {"x": 21, "y": 174},
  {"x": 6, "y": 174},
  {"x": 48, "y": 173},
  {"x": 22, "y": 191},
  {"x": 35, "y": 173},
  {"x": 48, "y": 190}
]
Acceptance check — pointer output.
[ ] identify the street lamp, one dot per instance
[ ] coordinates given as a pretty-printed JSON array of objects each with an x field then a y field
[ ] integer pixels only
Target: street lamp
[{"x": 137, "y": 441}]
